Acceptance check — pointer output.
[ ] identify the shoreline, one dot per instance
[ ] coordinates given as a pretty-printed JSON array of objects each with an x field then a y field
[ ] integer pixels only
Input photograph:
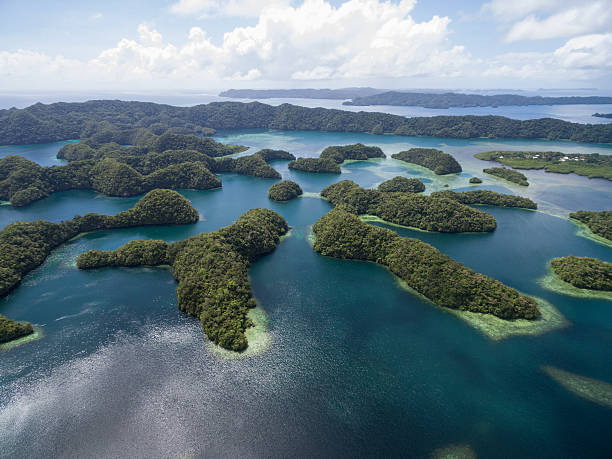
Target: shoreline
[
  {"x": 36, "y": 335},
  {"x": 555, "y": 284},
  {"x": 584, "y": 231}
]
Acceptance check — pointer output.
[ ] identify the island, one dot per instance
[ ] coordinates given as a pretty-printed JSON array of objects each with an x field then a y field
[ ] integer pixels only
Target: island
[
  {"x": 211, "y": 270},
  {"x": 319, "y": 165},
  {"x": 486, "y": 197},
  {"x": 42, "y": 123},
  {"x": 600, "y": 223},
  {"x": 342, "y": 93},
  {"x": 284, "y": 190},
  {"x": 590, "y": 165},
  {"x": 402, "y": 185},
  {"x": 355, "y": 152},
  {"x": 436, "y": 160},
  {"x": 603, "y": 115},
  {"x": 508, "y": 174},
  {"x": 11, "y": 330},
  {"x": 584, "y": 272},
  {"x": 269, "y": 155},
  {"x": 25, "y": 245},
  {"x": 453, "y": 99},
  {"x": 475, "y": 180},
  {"x": 436, "y": 276},
  {"x": 409, "y": 209}
]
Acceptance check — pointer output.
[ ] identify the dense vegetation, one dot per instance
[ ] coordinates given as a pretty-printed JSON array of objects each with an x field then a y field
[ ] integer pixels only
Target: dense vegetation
[
  {"x": 409, "y": 209},
  {"x": 452, "y": 99},
  {"x": 590, "y": 165},
  {"x": 599, "y": 223},
  {"x": 284, "y": 191},
  {"x": 25, "y": 245},
  {"x": 358, "y": 151},
  {"x": 444, "y": 281},
  {"x": 325, "y": 165},
  {"x": 508, "y": 174},
  {"x": 487, "y": 197},
  {"x": 211, "y": 270},
  {"x": 436, "y": 160},
  {"x": 275, "y": 155},
  {"x": 402, "y": 185},
  {"x": 62, "y": 121},
  {"x": 584, "y": 272},
  {"x": 10, "y": 330},
  {"x": 342, "y": 94},
  {"x": 475, "y": 180}
]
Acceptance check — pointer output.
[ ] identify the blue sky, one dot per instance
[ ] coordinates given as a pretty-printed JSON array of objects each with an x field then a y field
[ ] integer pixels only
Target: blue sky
[{"x": 194, "y": 44}]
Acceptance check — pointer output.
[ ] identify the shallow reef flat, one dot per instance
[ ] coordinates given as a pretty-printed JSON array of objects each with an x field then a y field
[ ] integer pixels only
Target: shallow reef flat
[
  {"x": 594, "y": 390},
  {"x": 584, "y": 231},
  {"x": 454, "y": 452},
  {"x": 553, "y": 283}
]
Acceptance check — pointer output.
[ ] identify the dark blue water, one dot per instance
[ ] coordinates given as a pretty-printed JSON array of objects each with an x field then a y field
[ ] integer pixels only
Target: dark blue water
[{"x": 356, "y": 367}]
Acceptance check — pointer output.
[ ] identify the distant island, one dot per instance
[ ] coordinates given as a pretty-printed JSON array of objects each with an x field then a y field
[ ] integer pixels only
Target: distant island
[
  {"x": 600, "y": 223},
  {"x": 435, "y": 160},
  {"x": 409, "y": 209},
  {"x": 591, "y": 165},
  {"x": 41, "y": 123},
  {"x": 584, "y": 272},
  {"x": 603, "y": 115},
  {"x": 211, "y": 270},
  {"x": 342, "y": 94},
  {"x": 452, "y": 99},
  {"x": 508, "y": 174},
  {"x": 436, "y": 276}
]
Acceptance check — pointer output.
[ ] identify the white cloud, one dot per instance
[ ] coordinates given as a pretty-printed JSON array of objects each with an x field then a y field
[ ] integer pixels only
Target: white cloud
[{"x": 225, "y": 7}]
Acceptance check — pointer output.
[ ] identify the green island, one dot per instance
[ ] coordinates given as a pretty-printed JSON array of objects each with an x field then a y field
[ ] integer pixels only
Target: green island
[
  {"x": 436, "y": 276},
  {"x": 402, "y": 185},
  {"x": 599, "y": 223},
  {"x": 355, "y": 152},
  {"x": 267, "y": 154},
  {"x": 42, "y": 123},
  {"x": 436, "y": 160},
  {"x": 284, "y": 190},
  {"x": 128, "y": 171},
  {"x": 211, "y": 270},
  {"x": 409, "y": 209},
  {"x": 319, "y": 165},
  {"x": 508, "y": 174},
  {"x": 584, "y": 272},
  {"x": 11, "y": 330},
  {"x": 486, "y": 197},
  {"x": 475, "y": 180},
  {"x": 591, "y": 165}
]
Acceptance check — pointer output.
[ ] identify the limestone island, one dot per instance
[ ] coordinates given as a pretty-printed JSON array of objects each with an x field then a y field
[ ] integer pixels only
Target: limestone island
[
  {"x": 589, "y": 165},
  {"x": 172, "y": 161},
  {"x": 11, "y": 330},
  {"x": 584, "y": 272},
  {"x": 475, "y": 180},
  {"x": 409, "y": 209},
  {"x": 486, "y": 197},
  {"x": 330, "y": 159},
  {"x": 402, "y": 185},
  {"x": 211, "y": 270},
  {"x": 508, "y": 174},
  {"x": 436, "y": 160},
  {"x": 284, "y": 191},
  {"x": 599, "y": 223},
  {"x": 318, "y": 165}
]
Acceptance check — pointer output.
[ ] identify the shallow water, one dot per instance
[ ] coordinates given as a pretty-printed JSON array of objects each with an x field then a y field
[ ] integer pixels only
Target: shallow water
[{"x": 356, "y": 365}]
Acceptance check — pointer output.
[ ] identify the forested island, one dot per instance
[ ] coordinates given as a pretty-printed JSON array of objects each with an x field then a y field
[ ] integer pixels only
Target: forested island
[
  {"x": 114, "y": 170},
  {"x": 284, "y": 190},
  {"x": 402, "y": 185},
  {"x": 453, "y": 99},
  {"x": 436, "y": 276},
  {"x": 508, "y": 174},
  {"x": 600, "y": 223},
  {"x": 11, "y": 330},
  {"x": 319, "y": 165},
  {"x": 603, "y": 115},
  {"x": 41, "y": 123},
  {"x": 584, "y": 272},
  {"x": 590, "y": 165},
  {"x": 354, "y": 152},
  {"x": 342, "y": 94},
  {"x": 486, "y": 197},
  {"x": 475, "y": 180},
  {"x": 435, "y": 160},
  {"x": 409, "y": 209},
  {"x": 211, "y": 270}
]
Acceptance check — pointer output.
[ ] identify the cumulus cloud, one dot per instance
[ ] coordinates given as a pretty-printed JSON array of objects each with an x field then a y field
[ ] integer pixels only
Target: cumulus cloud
[{"x": 225, "y": 7}]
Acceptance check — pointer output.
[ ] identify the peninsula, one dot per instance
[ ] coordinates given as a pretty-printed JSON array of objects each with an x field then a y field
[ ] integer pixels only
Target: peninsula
[
  {"x": 486, "y": 197},
  {"x": 600, "y": 223}
]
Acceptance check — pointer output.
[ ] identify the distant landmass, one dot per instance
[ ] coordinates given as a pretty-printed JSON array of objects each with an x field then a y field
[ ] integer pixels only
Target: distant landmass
[
  {"x": 452, "y": 99},
  {"x": 344, "y": 93},
  {"x": 603, "y": 115}
]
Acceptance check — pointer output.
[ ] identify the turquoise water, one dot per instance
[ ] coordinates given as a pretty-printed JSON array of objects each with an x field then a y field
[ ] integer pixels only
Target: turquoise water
[{"x": 357, "y": 366}]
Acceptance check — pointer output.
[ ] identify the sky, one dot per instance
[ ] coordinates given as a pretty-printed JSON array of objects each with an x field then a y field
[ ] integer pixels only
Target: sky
[{"x": 219, "y": 44}]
